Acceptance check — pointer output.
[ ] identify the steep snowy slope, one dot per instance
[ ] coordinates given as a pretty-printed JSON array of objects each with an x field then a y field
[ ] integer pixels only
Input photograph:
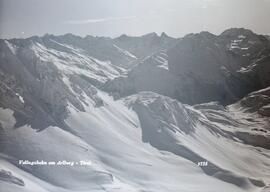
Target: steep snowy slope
[{"x": 132, "y": 151}]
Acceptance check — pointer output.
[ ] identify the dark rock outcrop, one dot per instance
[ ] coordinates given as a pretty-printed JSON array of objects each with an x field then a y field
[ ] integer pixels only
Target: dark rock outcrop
[{"x": 258, "y": 101}]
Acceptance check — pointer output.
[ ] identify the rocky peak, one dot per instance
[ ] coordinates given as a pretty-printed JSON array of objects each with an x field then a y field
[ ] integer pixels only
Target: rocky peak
[
  {"x": 233, "y": 32},
  {"x": 150, "y": 35},
  {"x": 164, "y": 35}
]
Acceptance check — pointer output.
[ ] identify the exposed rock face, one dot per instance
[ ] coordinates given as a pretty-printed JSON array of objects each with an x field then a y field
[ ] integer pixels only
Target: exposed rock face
[
  {"x": 203, "y": 67},
  {"x": 218, "y": 63},
  {"x": 150, "y": 75},
  {"x": 265, "y": 110},
  {"x": 42, "y": 96},
  {"x": 167, "y": 112},
  {"x": 252, "y": 128},
  {"x": 8, "y": 177},
  {"x": 258, "y": 101}
]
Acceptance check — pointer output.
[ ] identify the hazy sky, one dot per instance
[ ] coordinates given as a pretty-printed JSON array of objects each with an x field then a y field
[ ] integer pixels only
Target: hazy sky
[{"x": 24, "y": 18}]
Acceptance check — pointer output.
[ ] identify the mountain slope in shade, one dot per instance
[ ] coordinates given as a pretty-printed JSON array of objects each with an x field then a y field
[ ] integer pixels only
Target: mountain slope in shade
[{"x": 203, "y": 67}]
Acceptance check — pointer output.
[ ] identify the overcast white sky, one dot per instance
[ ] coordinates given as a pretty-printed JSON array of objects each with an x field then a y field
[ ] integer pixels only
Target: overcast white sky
[{"x": 24, "y": 18}]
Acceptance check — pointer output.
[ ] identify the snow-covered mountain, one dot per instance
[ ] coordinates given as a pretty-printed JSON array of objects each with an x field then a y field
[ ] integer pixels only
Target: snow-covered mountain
[
  {"x": 203, "y": 67},
  {"x": 144, "y": 112}
]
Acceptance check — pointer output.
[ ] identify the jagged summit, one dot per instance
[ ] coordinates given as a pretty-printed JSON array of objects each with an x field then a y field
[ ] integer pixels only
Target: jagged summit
[
  {"x": 151, "y": 35},
  {"x": 148, "y": 35},
  {"x": 237, "y": 31},
  {"x": 204, "y": 34},
  {"x": 164, "y": 35}
]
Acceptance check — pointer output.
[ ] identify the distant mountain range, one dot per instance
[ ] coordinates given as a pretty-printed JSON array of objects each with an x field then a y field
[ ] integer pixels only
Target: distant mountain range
[{"x": 145, "y": 110}]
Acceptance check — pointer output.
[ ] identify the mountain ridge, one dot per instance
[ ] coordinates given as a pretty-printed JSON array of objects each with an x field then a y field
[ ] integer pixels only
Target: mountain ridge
[{"x": 198, "y": 54}]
